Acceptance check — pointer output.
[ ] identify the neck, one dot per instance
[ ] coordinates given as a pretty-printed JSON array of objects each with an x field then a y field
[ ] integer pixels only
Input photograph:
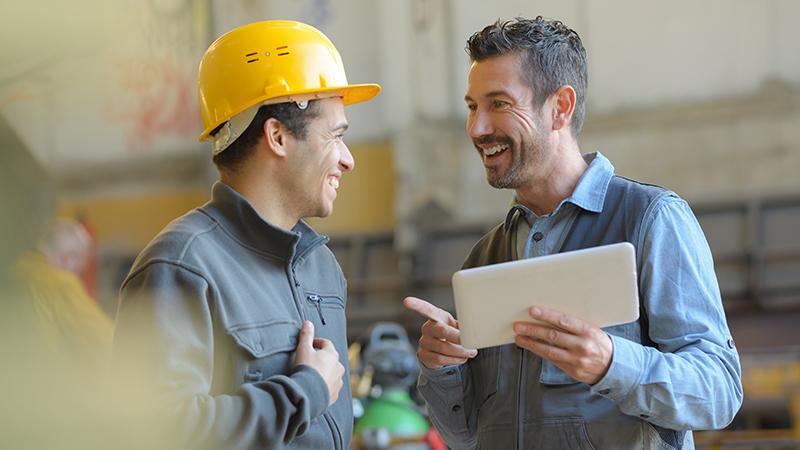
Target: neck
[
  {"x": 556, "y": 182},
  {"x": 266, "y": 198}
]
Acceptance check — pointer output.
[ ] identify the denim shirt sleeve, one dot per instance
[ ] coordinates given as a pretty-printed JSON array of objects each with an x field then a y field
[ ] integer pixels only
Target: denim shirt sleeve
[
  {"x": 691, "y": 379},
  {"x": 448, "y": 400}
]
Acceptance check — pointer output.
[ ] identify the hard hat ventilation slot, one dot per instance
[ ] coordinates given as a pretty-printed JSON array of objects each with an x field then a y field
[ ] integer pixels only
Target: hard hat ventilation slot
[
  {"x": 250, "y": 55},
  {"x": 285, "y": 47}
]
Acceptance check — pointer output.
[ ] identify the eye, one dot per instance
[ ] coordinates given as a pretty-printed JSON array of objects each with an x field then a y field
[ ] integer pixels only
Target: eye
[
  {"x": 472, "y": 107},
  {"x": 499, "y": 104}
]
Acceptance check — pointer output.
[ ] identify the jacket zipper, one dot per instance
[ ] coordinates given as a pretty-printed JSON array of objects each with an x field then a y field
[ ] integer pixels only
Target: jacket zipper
[
  {"x": 337, "y": 435},
  {"x": 294, "y": 283}
]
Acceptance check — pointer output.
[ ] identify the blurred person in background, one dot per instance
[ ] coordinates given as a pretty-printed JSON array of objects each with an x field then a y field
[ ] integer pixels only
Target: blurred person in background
[
  {"x": 567, "y": 384},
  {"x": 69, "y": 319},
  {"x": 235, "y": 311}
]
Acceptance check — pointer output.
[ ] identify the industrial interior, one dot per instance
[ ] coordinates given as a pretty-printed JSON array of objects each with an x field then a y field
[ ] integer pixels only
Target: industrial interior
[{"x": 99, "y": 112}]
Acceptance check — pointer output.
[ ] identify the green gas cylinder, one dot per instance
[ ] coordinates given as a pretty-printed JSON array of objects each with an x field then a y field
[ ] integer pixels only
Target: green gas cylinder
[{"x": 394, "y": 411}]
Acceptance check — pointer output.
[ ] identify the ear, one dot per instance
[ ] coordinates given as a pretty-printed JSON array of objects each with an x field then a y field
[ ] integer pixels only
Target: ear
[
  {"x": 276, "y": 136},
  {"x": 564, "y": 106}
]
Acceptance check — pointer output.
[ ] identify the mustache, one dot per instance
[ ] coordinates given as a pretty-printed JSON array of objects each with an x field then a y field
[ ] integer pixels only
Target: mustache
[{"x": 488, "y": 140}]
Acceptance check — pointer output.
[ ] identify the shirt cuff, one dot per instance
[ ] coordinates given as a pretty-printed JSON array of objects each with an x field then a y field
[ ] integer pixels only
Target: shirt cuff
[
  {"x": 627, "y": 365},
  {"x": 445, "y": 375}
]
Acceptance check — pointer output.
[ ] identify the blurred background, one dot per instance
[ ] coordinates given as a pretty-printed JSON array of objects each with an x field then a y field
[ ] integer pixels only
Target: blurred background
[{"x": 99, "y": 120}]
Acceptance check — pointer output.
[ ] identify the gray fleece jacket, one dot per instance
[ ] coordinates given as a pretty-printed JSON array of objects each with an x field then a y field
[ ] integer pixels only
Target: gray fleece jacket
[{"x": 210, "y": 313}]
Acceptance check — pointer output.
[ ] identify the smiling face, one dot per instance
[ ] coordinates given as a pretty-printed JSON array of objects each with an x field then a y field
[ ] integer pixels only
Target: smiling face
[
  {"x": 507, "y": 129},
  {"x": 318, "y": 161}
]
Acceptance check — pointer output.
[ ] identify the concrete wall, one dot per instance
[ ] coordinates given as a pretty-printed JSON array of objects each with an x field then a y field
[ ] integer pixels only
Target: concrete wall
[{"x": 699, "y": 96}]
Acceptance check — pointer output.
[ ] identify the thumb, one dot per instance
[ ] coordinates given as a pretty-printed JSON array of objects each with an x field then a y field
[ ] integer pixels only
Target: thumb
[{"x": 305, "y": 342}]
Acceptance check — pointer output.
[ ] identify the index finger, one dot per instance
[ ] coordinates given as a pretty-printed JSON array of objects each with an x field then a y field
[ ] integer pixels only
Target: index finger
[
  {"x": 429, "y": 311},
  {"x": 559, "y": 319}
]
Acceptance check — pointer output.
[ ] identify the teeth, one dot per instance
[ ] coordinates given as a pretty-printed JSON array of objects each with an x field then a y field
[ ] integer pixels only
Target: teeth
[
  {"x": 496, "y": 149},
  {"x": 334, "y": 182}
]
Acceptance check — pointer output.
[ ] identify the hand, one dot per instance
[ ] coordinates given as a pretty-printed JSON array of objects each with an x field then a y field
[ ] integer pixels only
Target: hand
[
  {"x": 320, "y": 355},
  {"x": 579, "y": 349},
  {"x": 440, "y": 344}
]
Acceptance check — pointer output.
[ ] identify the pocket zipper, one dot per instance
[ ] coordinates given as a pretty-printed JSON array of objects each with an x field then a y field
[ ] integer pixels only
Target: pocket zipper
[
  {"x": 317, "y": 300},
  {"x": 321, "y": 301}
]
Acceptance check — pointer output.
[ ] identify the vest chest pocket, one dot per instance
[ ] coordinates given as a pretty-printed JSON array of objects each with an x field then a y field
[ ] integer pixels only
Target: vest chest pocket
[
  {"x": 267, "y": 348},
  {"x": 485, "y": 375}
]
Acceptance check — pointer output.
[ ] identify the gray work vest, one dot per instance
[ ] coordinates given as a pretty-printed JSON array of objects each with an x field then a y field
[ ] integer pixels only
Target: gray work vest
[{"x": 514, "y": 410}]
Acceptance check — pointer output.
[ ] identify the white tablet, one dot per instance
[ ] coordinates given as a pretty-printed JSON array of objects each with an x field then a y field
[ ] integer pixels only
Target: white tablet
[{"x": 597, "y": 285}]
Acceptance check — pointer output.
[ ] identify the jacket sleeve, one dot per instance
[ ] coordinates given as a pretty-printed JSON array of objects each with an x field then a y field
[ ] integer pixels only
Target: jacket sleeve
[
  {"x": 448, "y": 398},
  {"x": 691, "y": 379},
  {"x": 165, "y": 336}
]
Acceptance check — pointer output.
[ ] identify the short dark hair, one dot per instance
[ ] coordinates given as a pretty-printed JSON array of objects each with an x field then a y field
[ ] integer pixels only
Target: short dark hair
[
  {"x": 552, "y": 56},
  {"x": 296, "y": 120}
]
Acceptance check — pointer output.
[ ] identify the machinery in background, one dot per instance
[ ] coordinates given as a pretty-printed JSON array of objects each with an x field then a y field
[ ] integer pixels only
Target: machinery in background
[{"x": 384, "y": 370}]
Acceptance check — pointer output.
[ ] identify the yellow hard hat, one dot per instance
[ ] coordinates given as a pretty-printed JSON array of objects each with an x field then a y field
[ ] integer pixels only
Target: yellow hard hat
[{"x": 268, "y": 62}]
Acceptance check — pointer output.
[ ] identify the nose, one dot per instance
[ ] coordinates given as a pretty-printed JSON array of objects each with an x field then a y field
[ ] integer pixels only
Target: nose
[
  {"x": 346, "y": 161},
  {"x": 479, "y": 125}
]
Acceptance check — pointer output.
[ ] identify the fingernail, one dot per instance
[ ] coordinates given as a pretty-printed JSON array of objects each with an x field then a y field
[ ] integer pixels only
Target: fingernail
[
  {"x": 535, "y": 311},
  {"x": 472, "y": 353}
]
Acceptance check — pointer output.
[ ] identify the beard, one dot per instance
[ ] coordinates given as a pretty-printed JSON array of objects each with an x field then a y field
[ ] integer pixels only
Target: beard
[{"x": 521, "y": 158}]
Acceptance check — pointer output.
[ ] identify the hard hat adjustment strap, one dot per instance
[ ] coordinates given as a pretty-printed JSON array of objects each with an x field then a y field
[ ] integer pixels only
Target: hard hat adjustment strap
[{"x": 233, "y": 128}]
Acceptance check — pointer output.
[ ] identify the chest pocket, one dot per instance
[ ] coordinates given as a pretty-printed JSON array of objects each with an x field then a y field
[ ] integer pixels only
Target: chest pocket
[
  {"x": 267, "y": 348},
  {"x": 327, "y": 313},
  {"x": 552, "y": 375},
  {"x": 327, "y": 307}
]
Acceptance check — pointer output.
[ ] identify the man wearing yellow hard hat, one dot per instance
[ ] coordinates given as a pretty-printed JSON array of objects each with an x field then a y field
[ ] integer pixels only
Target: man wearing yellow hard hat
[{"x": 235, "y": 311}]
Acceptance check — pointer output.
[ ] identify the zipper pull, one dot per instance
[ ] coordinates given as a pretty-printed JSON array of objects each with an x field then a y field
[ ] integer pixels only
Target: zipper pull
[{"x": 314, "y": 298}]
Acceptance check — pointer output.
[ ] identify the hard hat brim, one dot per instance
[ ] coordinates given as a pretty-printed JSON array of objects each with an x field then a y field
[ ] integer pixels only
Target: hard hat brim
[{"x": 351, "y": 94}]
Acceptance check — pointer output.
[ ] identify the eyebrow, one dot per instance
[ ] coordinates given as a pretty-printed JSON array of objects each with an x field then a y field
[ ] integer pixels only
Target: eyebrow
[{"x": 491, "y": 94}]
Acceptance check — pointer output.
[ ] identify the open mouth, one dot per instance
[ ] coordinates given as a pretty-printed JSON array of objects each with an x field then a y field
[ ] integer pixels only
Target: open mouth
[
  {"x": 490, "y": 153},
  {"x": 333, "y": 182}
]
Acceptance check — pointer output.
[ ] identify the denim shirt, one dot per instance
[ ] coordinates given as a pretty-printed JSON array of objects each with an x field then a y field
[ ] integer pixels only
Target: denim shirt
[{"x": 673, "y": 371}]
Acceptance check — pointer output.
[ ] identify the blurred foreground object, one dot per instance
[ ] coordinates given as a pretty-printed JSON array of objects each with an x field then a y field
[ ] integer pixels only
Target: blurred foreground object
[{"x": 51, "y": 398}]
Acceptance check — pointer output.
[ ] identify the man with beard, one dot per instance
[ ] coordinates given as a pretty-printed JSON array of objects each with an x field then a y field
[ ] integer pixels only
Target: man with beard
[
  {"x": 234, "y": 313},
  {"x": 565, "y": 383}
]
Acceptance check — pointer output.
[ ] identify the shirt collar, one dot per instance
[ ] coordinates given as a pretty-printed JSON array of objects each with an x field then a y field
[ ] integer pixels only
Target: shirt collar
[{"x": 589, "y": 193}]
